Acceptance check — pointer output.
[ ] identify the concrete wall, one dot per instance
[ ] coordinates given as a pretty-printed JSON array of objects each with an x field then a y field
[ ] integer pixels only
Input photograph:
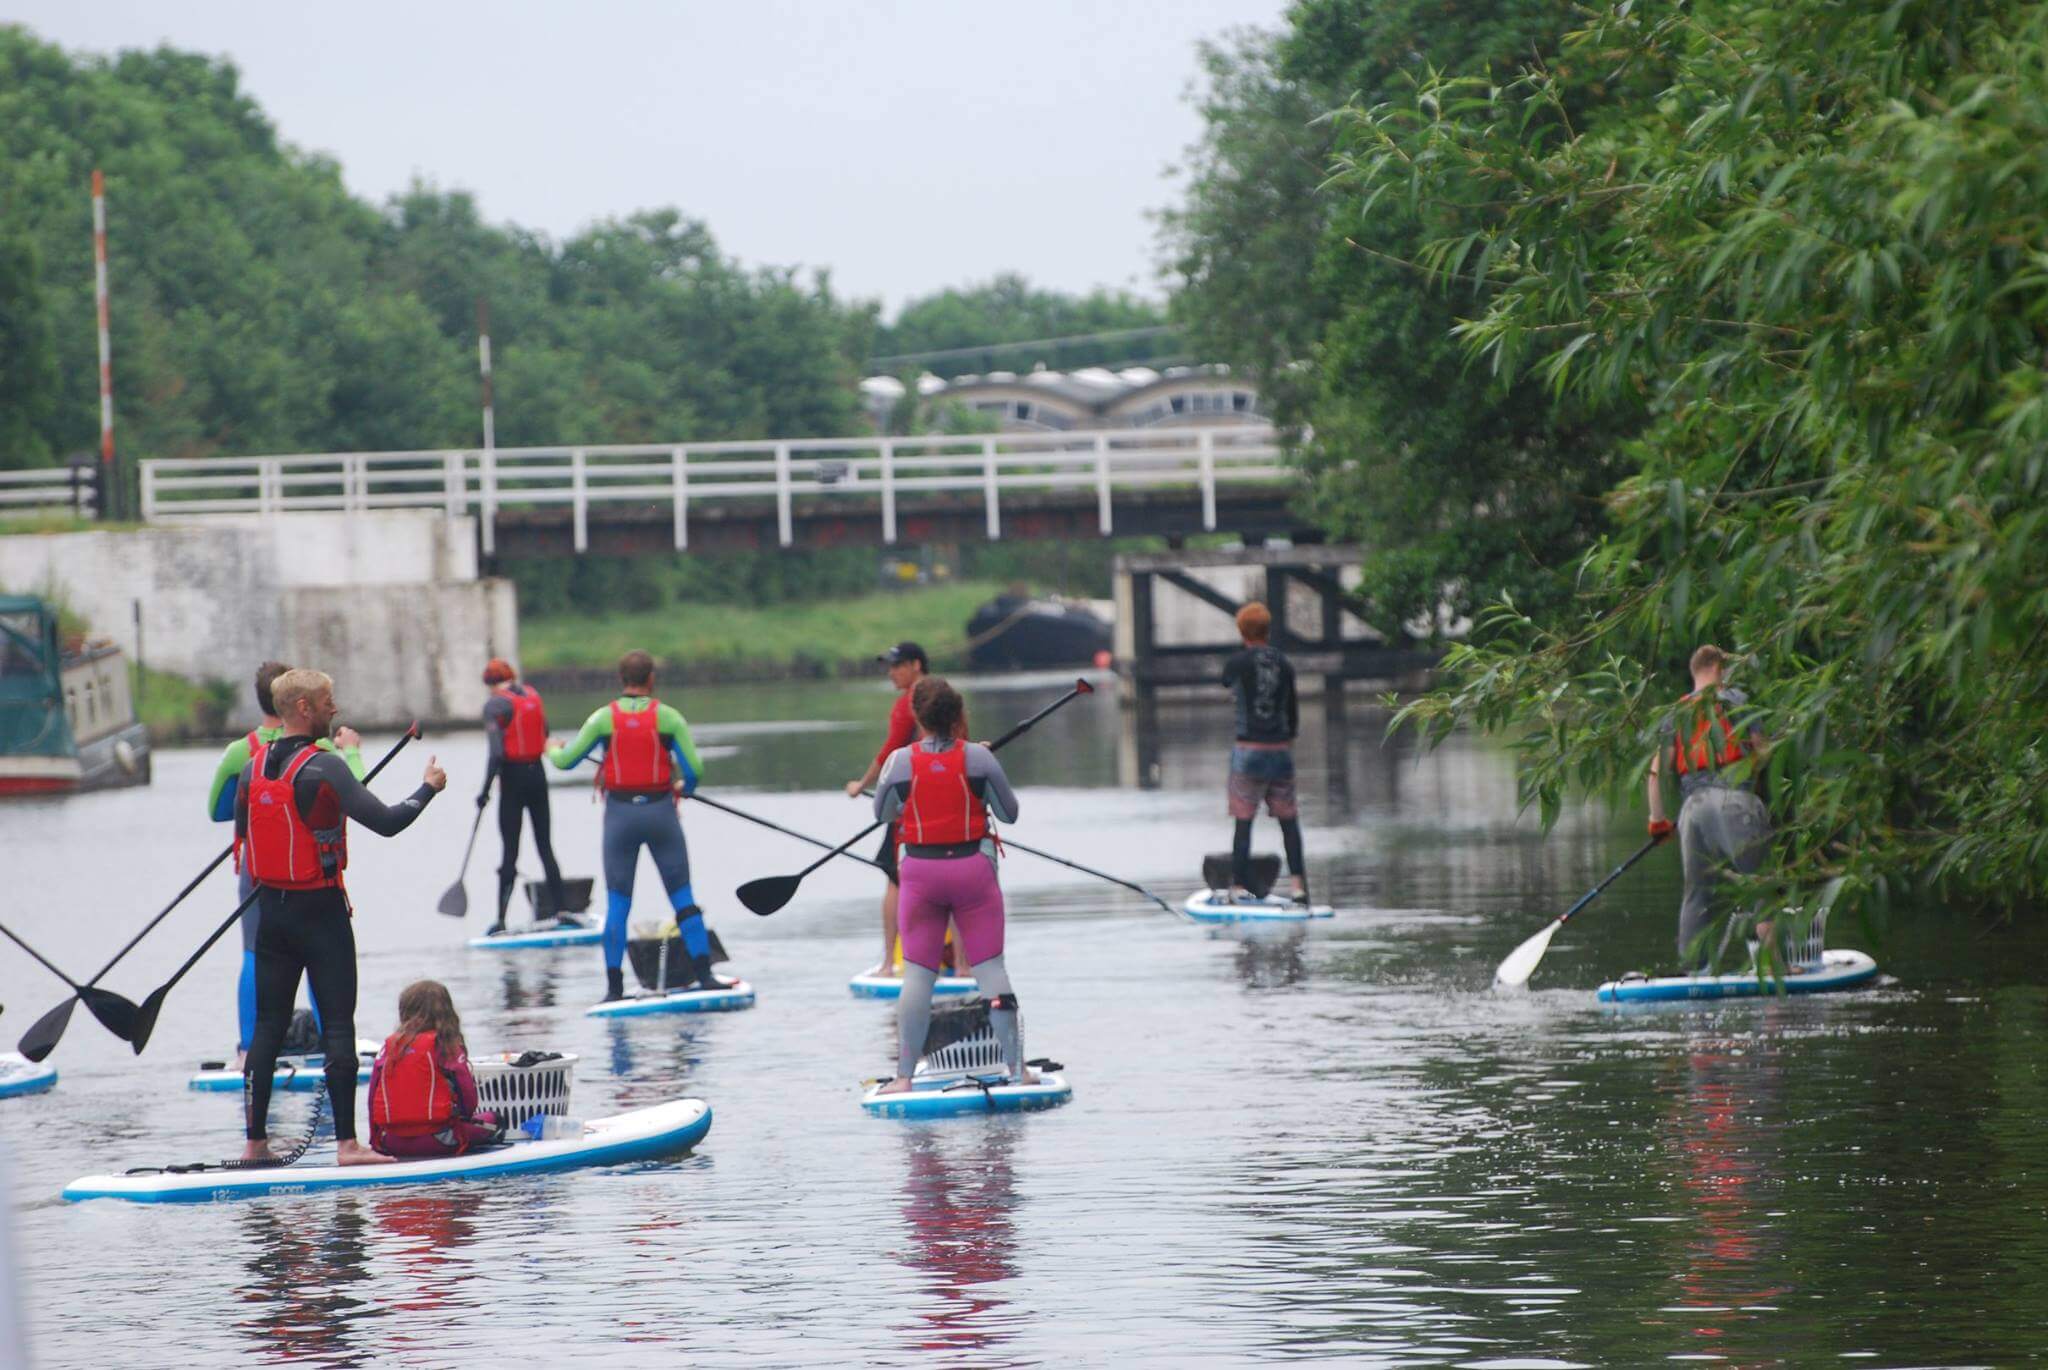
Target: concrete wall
[{"x": 388, "y": 603}]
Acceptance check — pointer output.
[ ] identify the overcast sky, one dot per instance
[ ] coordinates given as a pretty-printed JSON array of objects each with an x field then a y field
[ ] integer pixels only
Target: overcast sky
[{"x": 905, "y": 144}]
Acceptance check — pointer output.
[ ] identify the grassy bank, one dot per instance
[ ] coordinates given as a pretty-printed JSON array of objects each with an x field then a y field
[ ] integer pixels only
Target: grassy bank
[
  {"x": 825, "y": 634},
  {"x": 179, "y": 710}
]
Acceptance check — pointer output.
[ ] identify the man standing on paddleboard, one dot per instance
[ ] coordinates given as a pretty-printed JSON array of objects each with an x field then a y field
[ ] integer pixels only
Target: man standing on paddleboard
[
  {"x": 1261, "y": 681},
  {"x": 516, "y": 726},
  {"x": 291, "y": 817},
  {"x": 1722, "y": 823},
  {"x": 650, "y": 765},
  {"x": 907, "y": 665},
  {"x": 220, "y": 805}
]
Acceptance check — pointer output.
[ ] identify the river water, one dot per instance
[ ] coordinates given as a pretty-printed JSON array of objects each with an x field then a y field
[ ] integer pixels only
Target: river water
[{"x": 1338, "y": 1147}]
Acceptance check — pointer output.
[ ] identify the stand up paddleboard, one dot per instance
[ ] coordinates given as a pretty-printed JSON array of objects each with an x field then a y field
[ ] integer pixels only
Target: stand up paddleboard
[
  {"x": 739, "y": 995},
  {"x": 949, "y": 1096},
  {"x": 538, "y": 937},
  {"x": 868, "y": 986},
  {"x": 1837, "y": 970},
  {"x": 643, "y": 1135},
  {"x": 293, "y": 1074},
  {"x": 1216, "y": 906},
  {"x": 19, "y": 1075}
]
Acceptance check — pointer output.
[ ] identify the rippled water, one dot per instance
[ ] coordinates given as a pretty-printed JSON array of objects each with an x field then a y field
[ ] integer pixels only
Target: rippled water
[{"x": 1338, "y": 1147}]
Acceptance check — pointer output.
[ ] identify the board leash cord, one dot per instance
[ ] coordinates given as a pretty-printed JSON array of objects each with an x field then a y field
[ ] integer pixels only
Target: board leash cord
[{"x": 293, "y": 1155}]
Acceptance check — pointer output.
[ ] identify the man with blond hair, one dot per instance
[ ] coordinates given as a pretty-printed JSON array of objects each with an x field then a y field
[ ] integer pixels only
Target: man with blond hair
[
  {"x": 1722, "y": 824},
  {"x": 291, "y": 816}
]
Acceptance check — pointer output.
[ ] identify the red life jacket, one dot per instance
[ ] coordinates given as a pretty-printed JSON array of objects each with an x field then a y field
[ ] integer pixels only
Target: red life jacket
[
  {"x": 636, "y": 757},
  {"x": 526, "y": 736},
  {"x": 1698, "y": 752},
  {"x": 255, "y": 744},
  {"x": 941, "y": 807},
  {"x": 414, "y": 1096},
  {"x": 284, "y": 853}
]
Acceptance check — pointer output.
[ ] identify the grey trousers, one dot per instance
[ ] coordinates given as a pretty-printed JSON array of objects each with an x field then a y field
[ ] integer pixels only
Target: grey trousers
[{"x": 1718, "y": 829}]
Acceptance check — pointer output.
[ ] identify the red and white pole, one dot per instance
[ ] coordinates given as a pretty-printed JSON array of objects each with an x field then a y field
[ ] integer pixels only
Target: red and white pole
[
  {"x": 99, "y": 255},
  {"x": 483, "y": 361}
]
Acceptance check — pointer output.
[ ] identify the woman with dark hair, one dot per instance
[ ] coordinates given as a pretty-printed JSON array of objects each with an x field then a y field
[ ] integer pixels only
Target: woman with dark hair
[
  {"x": 943, "y": 791},
  {"x": 516, "y": 726}
]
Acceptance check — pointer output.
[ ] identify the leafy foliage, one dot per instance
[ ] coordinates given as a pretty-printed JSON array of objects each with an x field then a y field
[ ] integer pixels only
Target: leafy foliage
[
  {"x": 1813, "y": 251},
  {"x": 1008, "y": 309}
]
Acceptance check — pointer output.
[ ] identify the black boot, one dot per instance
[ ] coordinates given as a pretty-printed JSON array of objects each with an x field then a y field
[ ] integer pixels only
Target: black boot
[
  {"x": 614, "y": 984},
  {"x": 701, "y": 977},
  {"x": 504, "y": 902}
]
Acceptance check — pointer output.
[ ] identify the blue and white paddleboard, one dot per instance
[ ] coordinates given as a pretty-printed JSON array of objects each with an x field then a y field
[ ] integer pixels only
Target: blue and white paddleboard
[
  {"x": 539, "y": 937},
  {"x": 739, "y": 995},
  {"x": 643, "y": 1135},
  {"x": 19, "y": 1075},
  {"x": 1212, "y": 906},
  {"x": 869, "y": 986},
  {"x": 1838, "y": 970},
  {"x": 293, "y": 1073},
  {"x": 949, "y": 1096}
]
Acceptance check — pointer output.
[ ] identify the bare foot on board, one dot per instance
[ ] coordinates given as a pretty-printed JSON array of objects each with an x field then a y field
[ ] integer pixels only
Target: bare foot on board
[{"x": 353, "y": 1152}]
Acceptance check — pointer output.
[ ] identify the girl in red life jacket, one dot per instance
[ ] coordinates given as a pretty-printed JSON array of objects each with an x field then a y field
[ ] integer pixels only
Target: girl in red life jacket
[{"x": 423, "y": 1098}]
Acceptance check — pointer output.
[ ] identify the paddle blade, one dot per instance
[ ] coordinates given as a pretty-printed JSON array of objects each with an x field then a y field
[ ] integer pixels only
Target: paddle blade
[
  {"x": 455, "y": 903},
  {"x": 1521, "y": 962},
  {"x": 718, "y": 956},
  {"x": 116, "y": 1013},
  {"x": 766, "y": 895},
  {"x": 145, "y": 1017},
  {"x": 45, "y": 1032}
]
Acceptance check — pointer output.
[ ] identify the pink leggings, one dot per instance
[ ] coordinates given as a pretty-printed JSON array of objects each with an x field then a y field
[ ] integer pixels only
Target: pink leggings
[
  {"x": 453, "y": 1140},
  {"x": 962, "y": 888}
]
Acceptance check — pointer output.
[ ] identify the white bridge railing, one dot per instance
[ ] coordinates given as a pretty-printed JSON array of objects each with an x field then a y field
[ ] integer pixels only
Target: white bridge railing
[
  {"x": 884, "y": 471},
  {"x": 49, "y": 490}
]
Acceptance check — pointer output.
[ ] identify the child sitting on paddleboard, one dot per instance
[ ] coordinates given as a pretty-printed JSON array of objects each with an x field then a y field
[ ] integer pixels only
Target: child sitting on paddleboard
[
  {"x": 423, "y": 1098},
  {"x": 944, "y": 793}
]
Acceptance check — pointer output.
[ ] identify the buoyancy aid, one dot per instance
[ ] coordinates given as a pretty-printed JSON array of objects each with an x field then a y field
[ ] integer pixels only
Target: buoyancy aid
[
  {"x": 526, "y": 734},
  {"x": 636, "y": 756},
  {"x": 1697, "y": 751},
  {"x": 283, "y": 850},
  {"x": 414, "y": 1095},
  {"x": 255, "y": 745},
  {"x": 942, "y": 806}
]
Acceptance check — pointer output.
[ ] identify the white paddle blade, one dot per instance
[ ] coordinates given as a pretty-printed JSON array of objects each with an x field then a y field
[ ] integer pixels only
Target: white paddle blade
[{"x": 1521, "y": 962}]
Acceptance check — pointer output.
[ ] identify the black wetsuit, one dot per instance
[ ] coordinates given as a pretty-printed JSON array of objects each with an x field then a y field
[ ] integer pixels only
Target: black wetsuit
[
  {"x": 522, "y": 789},
  {"x": 309, "y": 932}
]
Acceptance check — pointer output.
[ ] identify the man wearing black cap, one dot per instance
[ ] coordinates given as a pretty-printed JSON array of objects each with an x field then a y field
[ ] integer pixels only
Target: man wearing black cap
[{"x": 907, "y": 665}]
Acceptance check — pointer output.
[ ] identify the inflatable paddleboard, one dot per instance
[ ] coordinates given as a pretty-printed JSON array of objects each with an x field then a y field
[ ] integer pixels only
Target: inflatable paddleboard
[
  {"x": 19, "y": 1075},
  {"x": 294, "y": 1073},
  {"x": 949, "y": 1096},
  {"x": 1211, "y": 906},
  {"x": 1838, "y": 970},
  {"x": 539, "y": 937},
  {"x": 739, "y": 995},
  {"x": 642, "y": 1135},
  {"x": 868, "y": 986}
]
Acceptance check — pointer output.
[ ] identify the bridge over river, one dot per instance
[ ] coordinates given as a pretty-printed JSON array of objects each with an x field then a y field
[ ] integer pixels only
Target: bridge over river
[{"x": 716, "y": 496}]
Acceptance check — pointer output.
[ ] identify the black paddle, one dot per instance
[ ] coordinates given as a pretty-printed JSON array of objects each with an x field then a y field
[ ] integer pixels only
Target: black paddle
[
  {"x": 701, "y": 798},
  {"x": 44, "y": 1034},
  {"x": 145, "y": 1015},
  {"x": 114, "y": 1011},
  {"x": 766, "y": 895},
  {"x": 1012, "y": 844},
  {"x": 455, "y": 903}
]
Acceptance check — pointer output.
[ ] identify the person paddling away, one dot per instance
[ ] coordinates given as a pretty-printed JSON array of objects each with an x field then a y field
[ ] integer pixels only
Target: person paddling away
[
  {"x": 423, "y": 1095},
  {"x": 1721, "y": 821},
  {"x": 942, "y": 791},
  {"x": 516, "y": 726},
  {"x": 650, "y": 764},
  {"x": 1262, "y": 762},
  {"x": 220, "y": 806},
  {"x": 907, "y": 665},
  {"x": 291, "y": 815}
]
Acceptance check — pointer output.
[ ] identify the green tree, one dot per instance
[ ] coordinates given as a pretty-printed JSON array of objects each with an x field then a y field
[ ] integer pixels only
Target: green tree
[
  {"x": 28, "y": 357},
  {"x": 1814, "y": 252},
  {"x": 1009, "y": 309}
]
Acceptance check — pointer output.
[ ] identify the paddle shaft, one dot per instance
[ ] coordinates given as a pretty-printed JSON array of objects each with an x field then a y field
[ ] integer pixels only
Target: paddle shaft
[
  {"x": 179, "y": 898},
  {"x": 408, "y": 735},
  {"x": 1612, "y": 876},
  {"x": 42, "y": 960},
  {"x": 1081, "y": 687},
  {"x": 474, "y": 829},
  {"x": 703, "y": 798}
]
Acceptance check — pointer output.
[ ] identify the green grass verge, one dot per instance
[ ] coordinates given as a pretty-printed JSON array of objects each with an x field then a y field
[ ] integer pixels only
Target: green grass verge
[
  {"x": 826, "y": 632},
  {"x": 63, "y": 523},
  {"x": 175, "y": 709}
]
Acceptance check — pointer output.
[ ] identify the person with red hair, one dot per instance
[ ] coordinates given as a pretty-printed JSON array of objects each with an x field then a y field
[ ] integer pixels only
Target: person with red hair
[
  {"x": 516, "y": 726},
  {"x": 1261, "y": 679}
]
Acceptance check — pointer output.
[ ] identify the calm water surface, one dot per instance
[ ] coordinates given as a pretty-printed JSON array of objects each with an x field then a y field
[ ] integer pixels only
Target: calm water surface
[{"x": 1338, "y": 1147}]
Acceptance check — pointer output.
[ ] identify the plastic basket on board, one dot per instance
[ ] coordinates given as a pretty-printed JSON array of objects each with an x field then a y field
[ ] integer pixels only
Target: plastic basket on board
[
  {"x": 517, "y": 1092},
  {"x": 969, "y": 1042}
]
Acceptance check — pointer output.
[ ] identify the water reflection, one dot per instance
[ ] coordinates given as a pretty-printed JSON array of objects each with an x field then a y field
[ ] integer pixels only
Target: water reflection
[
  {"x": 653, "y": 1056},
  {"x": 959, "y": 1200},
  {"x": 1271, "y": 959},
  {"x": 304, "y": 1266}
]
